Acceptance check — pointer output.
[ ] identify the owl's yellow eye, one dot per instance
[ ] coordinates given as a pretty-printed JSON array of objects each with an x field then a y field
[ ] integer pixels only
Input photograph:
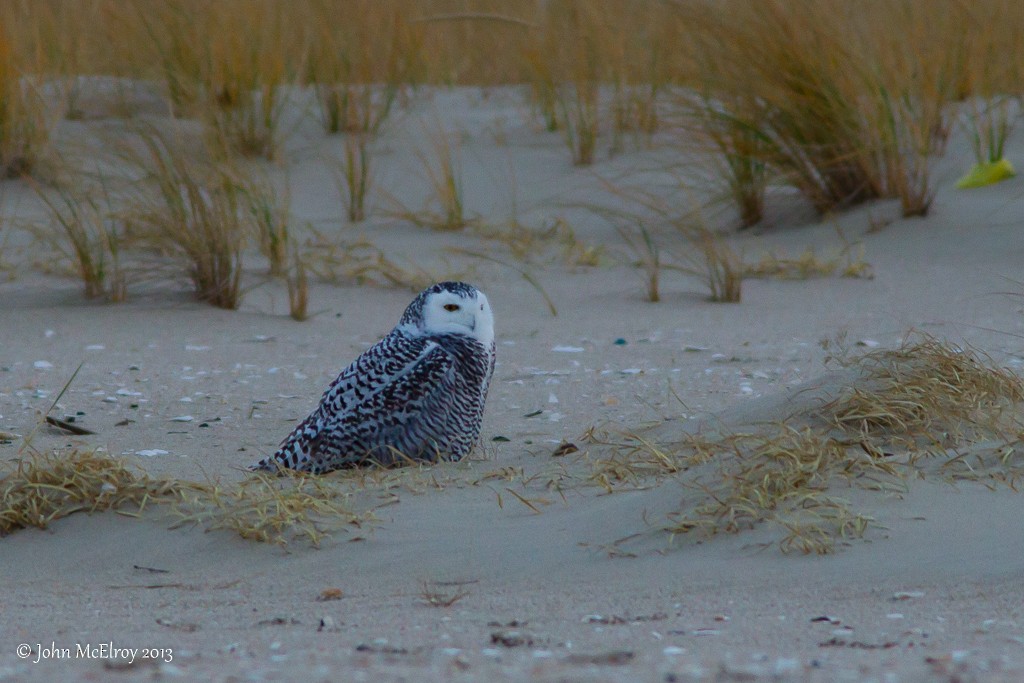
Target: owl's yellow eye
[{"x": 451, "y": 307}]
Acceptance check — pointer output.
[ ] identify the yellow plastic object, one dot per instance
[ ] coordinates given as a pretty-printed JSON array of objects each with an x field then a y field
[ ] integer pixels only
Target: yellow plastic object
[{"x": 987, "y": 174}]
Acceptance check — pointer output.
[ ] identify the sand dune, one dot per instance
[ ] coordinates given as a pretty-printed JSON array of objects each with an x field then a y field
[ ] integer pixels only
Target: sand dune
[{"x": 932, "y": 592}]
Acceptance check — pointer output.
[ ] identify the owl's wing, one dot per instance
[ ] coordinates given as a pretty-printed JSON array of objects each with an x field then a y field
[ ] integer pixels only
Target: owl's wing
[
  {"x": 397, "y": 412},
  {"x": 372, "y": 370},
  {"x": 386, "y": 396}
]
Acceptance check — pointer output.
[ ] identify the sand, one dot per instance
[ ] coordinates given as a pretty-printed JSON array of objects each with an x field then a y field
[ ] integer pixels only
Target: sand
[{"x": 932, "y": 593}]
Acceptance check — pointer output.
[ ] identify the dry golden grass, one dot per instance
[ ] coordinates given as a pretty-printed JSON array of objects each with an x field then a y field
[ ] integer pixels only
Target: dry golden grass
[
  {"x": 847, "y": 262},
  {"x": 359, "y": 67},
  {"x": 921, "y": 410},
  {"x": 279, "y": 509},
  {"x": 37, "y": 489},
  {"x": 270, "y": 215},
  {"x": 85, "y": 226},
  {"x": 667, "y": 233},
  {"x": 223, "y": 62},
  {"x": 24, "y": 123},
  {"x": 927, "y": 390},
  {"x": 783, "y": 68},
  {"x": 786, "y": 477},
  {"x": 196, "y": 211},
  {"x": 354, "y": 174},
  {"x": 735, "y": 139},
  {"x": 362, "y": 262},
  {"x": 298, "y": 288},
  {"x": 170, "y": 209},
  {"x": 710, "y": 256},
  {"x": 845, "y": 102},
  {"x": 441, "y": 167}
]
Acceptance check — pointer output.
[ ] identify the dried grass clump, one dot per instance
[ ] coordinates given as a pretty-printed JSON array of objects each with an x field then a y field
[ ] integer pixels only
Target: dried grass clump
[
  {"x": 360, "y": 57},
  {"x": 85, "y": 227},
  {"x": 200, "y": 212},
  {"x": 354, "y": 174},
  {"x": 848, "y": 262},
  {"x": 927, "y": 390},
  {"x": 38, "y": 489},
  {"x": 270, "y": 508},
  {"x": 636, "y": 461},
  {"x": 24, "y": 124},
  {"x": 663, "y": 234},
  {"x": 442, "y": 169},
  {"x": 298, "y": 287},
  {"x": 361, "y": 262},
  {"x": 783, "y": 476},
  {"x": 846, "y": 103},
  {"x": 925, "y": 407}
]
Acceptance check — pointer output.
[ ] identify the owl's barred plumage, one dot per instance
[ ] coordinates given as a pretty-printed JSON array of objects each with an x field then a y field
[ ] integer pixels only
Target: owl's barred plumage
[{"x": 418, "y": 394}]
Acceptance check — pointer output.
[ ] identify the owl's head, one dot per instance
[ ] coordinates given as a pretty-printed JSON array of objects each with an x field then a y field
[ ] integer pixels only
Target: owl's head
[{"x": 451, "y": 308}]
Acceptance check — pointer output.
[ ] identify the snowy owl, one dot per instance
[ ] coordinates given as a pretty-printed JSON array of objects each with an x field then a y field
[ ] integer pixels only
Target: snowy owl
[{"x": 417, "y": 394}]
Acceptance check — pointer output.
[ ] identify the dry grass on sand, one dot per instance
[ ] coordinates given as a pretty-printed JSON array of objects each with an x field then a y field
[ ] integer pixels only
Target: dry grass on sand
[
  {"x": 925, "y": 409},
  {"x": 40, "y": 488},
  {"x": 891, "y": 416}
]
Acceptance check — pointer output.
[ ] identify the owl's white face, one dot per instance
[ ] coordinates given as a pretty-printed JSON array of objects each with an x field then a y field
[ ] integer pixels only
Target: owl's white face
[{"x": 448, "y": 312}]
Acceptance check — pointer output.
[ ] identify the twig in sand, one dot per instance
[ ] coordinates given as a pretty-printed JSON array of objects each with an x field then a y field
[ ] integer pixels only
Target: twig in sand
[{"x": 435, "y": 598}]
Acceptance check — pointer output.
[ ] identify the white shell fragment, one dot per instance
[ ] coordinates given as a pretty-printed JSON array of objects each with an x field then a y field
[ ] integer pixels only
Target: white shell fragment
[{"x": 907, "y": 595}]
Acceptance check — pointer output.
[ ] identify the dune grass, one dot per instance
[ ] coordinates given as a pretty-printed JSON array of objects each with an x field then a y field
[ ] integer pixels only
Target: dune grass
[
  {"x": 269, "y": 212},
  {"x": 37, "y": 489},
  {"x": 440, "y": 165},
  {"x": 359, "y": 67},
  {"x": 270, "y": 508},
  {"x": 353, "y": 174},
  {"x": 927, "y": 390},
  {"x": 43, "y": 488},
  {"x": 843, "y": 102},
  {"x": 847, "y": 261},
  {"x": 673, "y": 234},
  {"x": 25, "y": 125},
  {"x": 195, "y": 210},
  {"x": 298, "y": 287},
  {"x": 84, "y": 225},
  {"x": 925, "y": 409}
]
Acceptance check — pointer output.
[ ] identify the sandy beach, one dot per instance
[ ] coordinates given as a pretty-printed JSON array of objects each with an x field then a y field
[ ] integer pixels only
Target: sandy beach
[{"x": 549, "y": 576}]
